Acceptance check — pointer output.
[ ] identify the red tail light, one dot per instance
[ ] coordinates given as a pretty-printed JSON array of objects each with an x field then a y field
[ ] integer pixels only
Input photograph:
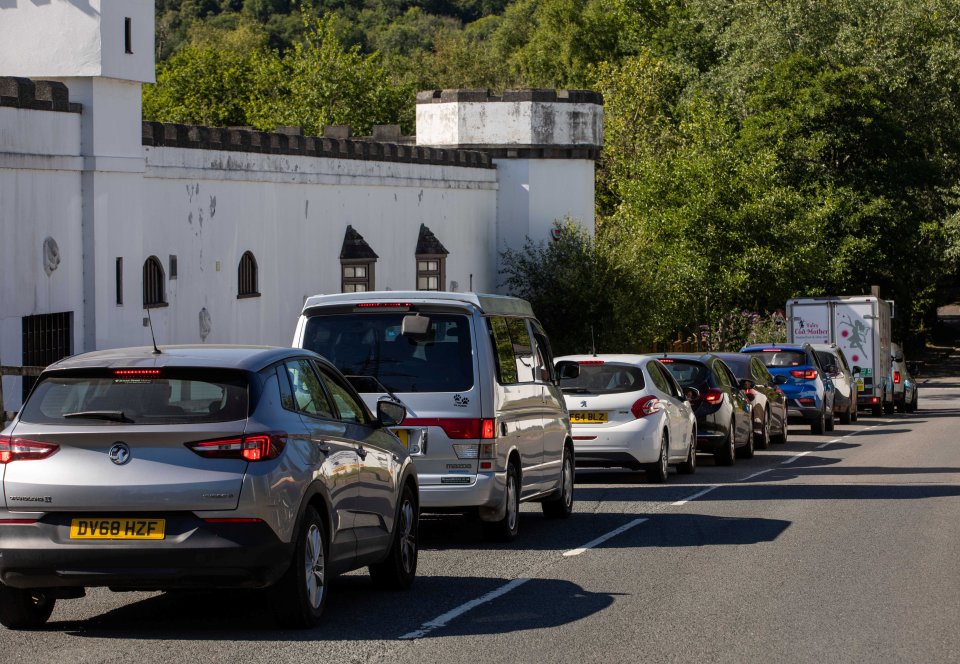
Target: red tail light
[
  {"x": 584, "y": 362},
  {"x": 806, "y": 374},
  {"x": 457, "y": 428},
  {"x": 750, "y": 394},
  {"x": 252, "y": 447},
  {"x": 712, "y": 395},
  {"x": 20, "y": 449},
  {"x": 644, "y": 406},
  {"x": 896, "y": 377},
  {"x": 874, "y": 399},
  {"x": 136, "y": 372},
  {"x": 806, "y": 401}
]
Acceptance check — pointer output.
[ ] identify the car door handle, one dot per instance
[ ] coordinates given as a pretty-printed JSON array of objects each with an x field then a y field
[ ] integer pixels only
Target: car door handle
[
  {"x": 362, "y": 453},
  {"x": 325, "y": 448}
]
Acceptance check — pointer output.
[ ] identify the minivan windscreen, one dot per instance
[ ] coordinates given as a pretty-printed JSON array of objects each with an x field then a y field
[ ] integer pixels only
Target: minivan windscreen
[
  {"x": 372, "y": 344},
  {"x": 169, "y": 396}
]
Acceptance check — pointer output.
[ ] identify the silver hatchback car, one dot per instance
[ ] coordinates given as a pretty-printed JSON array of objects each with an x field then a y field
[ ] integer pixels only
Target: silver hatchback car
[{"x": 201, "y": 467}]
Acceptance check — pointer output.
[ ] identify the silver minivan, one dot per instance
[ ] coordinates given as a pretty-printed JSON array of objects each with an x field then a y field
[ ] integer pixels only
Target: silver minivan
[{"x": 486, "y": 423}]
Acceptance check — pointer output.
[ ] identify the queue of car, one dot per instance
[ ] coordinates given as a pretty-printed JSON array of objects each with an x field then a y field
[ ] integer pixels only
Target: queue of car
[{"x": 189, "y": 467}]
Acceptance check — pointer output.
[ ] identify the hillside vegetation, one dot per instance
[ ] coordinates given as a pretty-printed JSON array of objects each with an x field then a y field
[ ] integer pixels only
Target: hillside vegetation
[{"x": 754, "y": 150}]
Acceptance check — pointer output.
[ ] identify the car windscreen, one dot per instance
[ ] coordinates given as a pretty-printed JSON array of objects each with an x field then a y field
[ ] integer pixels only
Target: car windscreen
[
  {"x": 138, "y": 396},
  {"x": 739, "y": 365},
  {"x": 780, "y": 358},
  {"x": 372, "y": 344},
  {"x": 604, "y": 379},
  {"x": 688, "y": 374}
]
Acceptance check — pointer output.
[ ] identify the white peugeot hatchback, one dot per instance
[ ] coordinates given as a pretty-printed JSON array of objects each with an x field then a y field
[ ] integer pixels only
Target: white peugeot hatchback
[{"x": 628, "y": 411}]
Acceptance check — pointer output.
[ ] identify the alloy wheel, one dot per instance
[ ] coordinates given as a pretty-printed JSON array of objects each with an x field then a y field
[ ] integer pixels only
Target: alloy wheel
[
  {"x": 314, "y": 564},
  {"x": 408, "y": 537}
]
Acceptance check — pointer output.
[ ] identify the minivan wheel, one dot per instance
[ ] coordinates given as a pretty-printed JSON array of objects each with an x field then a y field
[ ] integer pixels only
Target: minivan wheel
[
  {"x": 726, "y": 456},
  {"x": 24, "y": 609},
  {"x": 400, "y": 567},
  {"x": 300, "y": 595},
  {"x": 505, "y": 530},
  {"x": 561, "y": 505},
  {"x": 657, "y": 472}
]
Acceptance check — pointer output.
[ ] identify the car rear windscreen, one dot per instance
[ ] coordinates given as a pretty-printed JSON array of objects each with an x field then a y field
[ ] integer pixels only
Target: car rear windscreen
[
  {"x": 604, "y": 379},
  {"x": 781, "y": 358},
  {"x": 171, "y": 396},
  {"x": 372, "y": 345},
  {"x": 688, "y": 374}
]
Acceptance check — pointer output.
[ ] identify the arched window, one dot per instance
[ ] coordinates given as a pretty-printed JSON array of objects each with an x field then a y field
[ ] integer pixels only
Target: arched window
[
  {"x": 154, "y": 284},
  {"x": 247, "y": 276}
]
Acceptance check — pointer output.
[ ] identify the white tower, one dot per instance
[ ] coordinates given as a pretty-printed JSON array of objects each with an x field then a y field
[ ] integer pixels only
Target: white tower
[
  {"x": 103, "y": 50},
  {"x": 544, "y": 144}
]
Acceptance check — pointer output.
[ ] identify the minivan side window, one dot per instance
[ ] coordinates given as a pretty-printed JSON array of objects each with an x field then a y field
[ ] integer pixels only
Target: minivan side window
[
  {"x": 544, "y": 355},
  {"x": 513, "y": 350}
]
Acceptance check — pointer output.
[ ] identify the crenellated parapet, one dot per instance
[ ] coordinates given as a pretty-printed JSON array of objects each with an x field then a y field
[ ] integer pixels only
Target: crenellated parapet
[
  {"x": 18, "y": 92},
  {"x": 291, "y": 141}
]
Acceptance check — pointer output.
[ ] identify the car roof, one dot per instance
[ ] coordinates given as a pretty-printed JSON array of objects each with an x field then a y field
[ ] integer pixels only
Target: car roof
[
  {"x": 502, "y": 305},
  {"x": 829, "y": 347},
  {"x": 250, "y": 358},
  {"x": 622, "y": 358},
  {"x": 750, "y": 347},
  {"x": 697, "y": 357}
]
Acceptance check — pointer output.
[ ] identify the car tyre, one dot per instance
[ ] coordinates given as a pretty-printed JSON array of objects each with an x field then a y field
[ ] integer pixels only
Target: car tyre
[
  {"x": 819, "y": 425},
  {"x": 830, "y": 425},
  {"x": 913, "y": 402},
  {"x": 901, "y": 406},
  {"x": 24, "y": 609},
  {"x": 300, "y": 595},
  {"x": 888, "y": 408},
  {"x": 781, "y": 438},
  {"x": 746, "y": 452},
  {"x": 657, "y": 472},
  {"x": 399, "y": 569},
  {"x": 561, "y": 505},
  {"x": 727, "y": 455},
  {"x": 506, "y": 529},
  {"x": 762, "y": 441},
  {"x": 689, "y": 467},
  {"x": 854, "y": 411},
  {"x": 846, "y": 417}
]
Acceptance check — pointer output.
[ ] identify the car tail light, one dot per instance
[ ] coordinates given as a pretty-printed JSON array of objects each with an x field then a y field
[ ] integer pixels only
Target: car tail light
[
  {"x": 644, "y": 406},
  {"x": 17, "y": 522},
  {"x": 583, "y": 362},
  {"x": 750, "y": 394},
  {"x": 21, "y": 449},
  {"x": 251, "y": 447},
  {"x": 806, "y": 374},
  {"x": 383, "y": 305},
  {"x": 874, "y": 399},
  {"x": 806, "y": 401},
  {"x": 475, "y": 450},
  {"x": 896, "y": 377},
  {"x": 457, "y": 428},
  {"x": 712, "y": 395},
  {"x": 136, "y": 372}
]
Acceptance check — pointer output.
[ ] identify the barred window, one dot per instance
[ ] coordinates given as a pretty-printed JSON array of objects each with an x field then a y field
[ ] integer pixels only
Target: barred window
[
  {"x": 154, "y": 284},
  {"x": 430, "y": 272},
  {"x": 247, "y": 284},
  {"x": 356, "y": 276}
]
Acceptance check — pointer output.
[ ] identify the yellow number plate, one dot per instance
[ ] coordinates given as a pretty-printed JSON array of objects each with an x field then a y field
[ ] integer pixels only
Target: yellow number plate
[
  {"x": 117, "y": 529},
  {"x": 587, "y": 417},
  {"x": 404, "y": 436}
]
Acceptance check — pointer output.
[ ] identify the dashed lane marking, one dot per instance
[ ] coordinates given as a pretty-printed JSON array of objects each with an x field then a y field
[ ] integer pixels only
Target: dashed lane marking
[
  {"x": 695, "y": 496},
  {"x": 795, "y": 457}
]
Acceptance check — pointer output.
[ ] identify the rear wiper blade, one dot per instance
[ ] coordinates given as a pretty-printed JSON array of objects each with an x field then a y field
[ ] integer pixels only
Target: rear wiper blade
[
  {"x": 112, "y": 415},
  {"x": 575, "y": 390}
]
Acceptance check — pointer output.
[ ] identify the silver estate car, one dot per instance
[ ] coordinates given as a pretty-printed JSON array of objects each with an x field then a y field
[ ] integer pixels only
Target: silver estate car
[{"x": 201, "y": 467}]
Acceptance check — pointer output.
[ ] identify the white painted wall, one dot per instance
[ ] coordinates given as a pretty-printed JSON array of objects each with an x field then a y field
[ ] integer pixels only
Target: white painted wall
[
  {"x": 40, "y": 197},
  {"x": 509, "y": 123},
  {"x": 60, "y": 38}
]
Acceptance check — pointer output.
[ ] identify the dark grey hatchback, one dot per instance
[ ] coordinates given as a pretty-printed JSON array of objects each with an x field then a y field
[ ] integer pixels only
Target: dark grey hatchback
[{"x": 201, "y": 467}]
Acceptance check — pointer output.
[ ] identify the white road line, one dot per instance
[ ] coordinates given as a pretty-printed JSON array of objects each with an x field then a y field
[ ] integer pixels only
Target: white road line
[
  {"x": 750, "y": 477},
  {"x": 602, "y": 538},
  {"x": 794, "y": 458},
  {"x": 695, "y": 496},
  {"x": 443, "y": 620},
  {"x": 829, "y": 442}
]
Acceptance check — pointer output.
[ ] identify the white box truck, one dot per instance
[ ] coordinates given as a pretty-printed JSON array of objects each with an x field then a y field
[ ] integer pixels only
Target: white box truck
[{"x": 860, "y": 326}]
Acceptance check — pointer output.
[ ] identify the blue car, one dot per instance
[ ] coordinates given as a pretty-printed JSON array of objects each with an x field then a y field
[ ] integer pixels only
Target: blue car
[{"x": 808, "y": 388}]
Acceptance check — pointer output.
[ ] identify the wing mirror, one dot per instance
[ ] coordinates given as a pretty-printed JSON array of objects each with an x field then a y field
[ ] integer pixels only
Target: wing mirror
[
  {"x": 390, "y": 413},
  {"x": 567, "y": 370},
  {"x": 856, "y": 369},
  {"x": 691, "y": 394},
  {"x": 780, "y": 379}
]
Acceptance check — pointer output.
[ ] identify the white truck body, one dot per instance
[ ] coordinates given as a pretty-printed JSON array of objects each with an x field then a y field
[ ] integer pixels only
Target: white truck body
[{"x": 860, "y": 326}]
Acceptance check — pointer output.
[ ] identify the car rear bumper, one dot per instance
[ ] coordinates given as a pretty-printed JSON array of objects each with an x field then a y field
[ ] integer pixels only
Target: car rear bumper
[
  {"x": 480, "y": 490},
  {"x": 810, "y": 414},
  {"x": 195, "y": 554},
  {"x": 708, "y": 441},
  {"x": 628, "y": 444}
]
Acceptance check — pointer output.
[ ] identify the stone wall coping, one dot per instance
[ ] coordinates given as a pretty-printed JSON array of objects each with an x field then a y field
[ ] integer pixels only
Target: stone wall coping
[
  {"x": 288, "y": 141},
  {"x": 17, "y": 92},
  {"x": 528, "y": 94}
]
